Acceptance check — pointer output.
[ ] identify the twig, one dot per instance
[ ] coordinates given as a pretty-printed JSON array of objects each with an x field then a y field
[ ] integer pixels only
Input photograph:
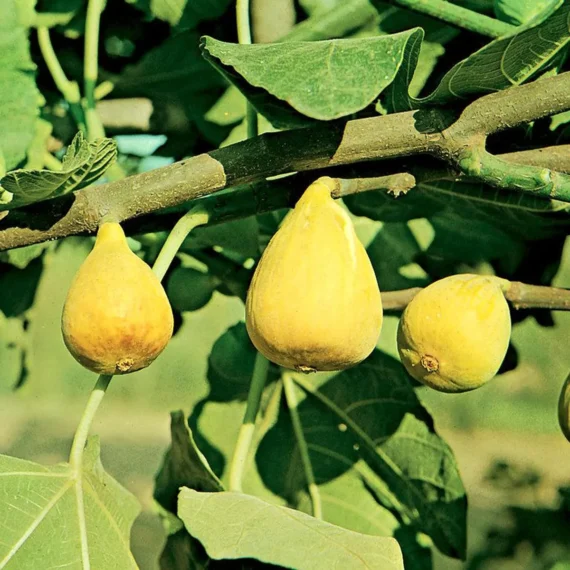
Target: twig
[{"x": 520, "y": 296}]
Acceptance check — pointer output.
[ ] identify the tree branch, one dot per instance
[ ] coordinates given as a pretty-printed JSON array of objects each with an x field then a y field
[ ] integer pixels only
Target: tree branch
[
  {"x": 323, "y": 146},
  {"x": 520, "y": 296}
]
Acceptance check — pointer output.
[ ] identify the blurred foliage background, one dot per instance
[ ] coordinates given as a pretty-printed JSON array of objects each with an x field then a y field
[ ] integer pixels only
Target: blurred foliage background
[{"x": 513, "y": 459}]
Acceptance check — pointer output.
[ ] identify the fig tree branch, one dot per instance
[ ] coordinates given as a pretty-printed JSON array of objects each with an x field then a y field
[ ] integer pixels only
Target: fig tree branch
[
  {"x": 382, "y": 138},
  {"x": 520, "y": 296}
]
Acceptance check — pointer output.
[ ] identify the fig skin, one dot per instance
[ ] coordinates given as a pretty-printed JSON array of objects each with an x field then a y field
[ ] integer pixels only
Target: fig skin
[
  {"x": 116, "y": 318},
  {"x": 454, "y": 334},
  {"x": 314, "y": 302}
]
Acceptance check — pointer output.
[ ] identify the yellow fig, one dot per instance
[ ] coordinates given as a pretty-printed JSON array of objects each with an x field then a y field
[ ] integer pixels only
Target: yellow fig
[
  {"x": 314, "y": 303},
  {"x": 454, "y": 334},
  {"x": 116, "y": 318},
  {"x": 564, "y": 409}
]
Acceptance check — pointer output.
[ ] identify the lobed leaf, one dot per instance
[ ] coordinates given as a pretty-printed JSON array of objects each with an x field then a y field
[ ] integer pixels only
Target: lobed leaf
[
  {"x": 59, "y": 517},
  {"x": 373, "y": 417}
]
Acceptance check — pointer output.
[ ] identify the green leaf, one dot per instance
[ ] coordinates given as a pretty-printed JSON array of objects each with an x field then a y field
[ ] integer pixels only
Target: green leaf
[
  {"x": 18, "y": 286},
  {"x": 348, "y": 502},
  {"x": 288, "y": 82},
  {"x": 333, "y": 19},
  {"x": 22, "y": 256},
  {"x": 189, "y": 289},
  {"x": 381, "y": 206},
  {"x": 230, "y": 366},
  {"x": 519, "y": 12},
  {"x": 175, "y": 75},
  {"x": 414, "y": 468},
  {"x": 233, "y": 525},
  {"x": 183, "y": 465},
  {"x": 57, "y": 517},
  {"x": 18, "y": 93},
  {"x": 520, "y": 216},
  {"x": 188, "y": 13},
  {"x": 237, "y": 236},
  {"x": 393, "y": 248},
  {"x": 312, "y": 6},
  {"x": 84, "y": 162},
  {"x": 504, "y": 62}
]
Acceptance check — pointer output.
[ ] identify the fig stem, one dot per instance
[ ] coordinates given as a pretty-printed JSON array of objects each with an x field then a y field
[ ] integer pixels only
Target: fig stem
[
  {"x": 69, "y": 89},
  {"x": 80, "y": 438},
  {"x": 246, "y": 430},
  {"x": 291, "y": 398},
  {"x": 244, "y": 37},
  {"x": 197, "y": 216}
]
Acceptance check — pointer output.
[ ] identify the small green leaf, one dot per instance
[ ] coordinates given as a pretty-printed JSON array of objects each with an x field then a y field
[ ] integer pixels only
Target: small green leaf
[
  {"x": 288, "y": 82},
  {"x": 83, "y": 163},
  {"x": 183, "y": 464},
  {"x": 58, "y": 517},
  {"x": 230, "y": 365},
  {"x": 234, "y": 525},
  {"x": 394, "y": 247},
  {"x": 18, "y": 285},
  {"x": 237, "y": 236},
  {"x": 189, "y": 289},
  {"x": 22, "y": 256}
]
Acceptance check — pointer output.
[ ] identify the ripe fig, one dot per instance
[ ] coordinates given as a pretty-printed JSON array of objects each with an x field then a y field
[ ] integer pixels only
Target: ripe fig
[
  {"x": 454, "y": 334},
  {"x": 564, "y": 408},
  {"x": 116, "y": 318},
  {"x": 314, "y": 303}
]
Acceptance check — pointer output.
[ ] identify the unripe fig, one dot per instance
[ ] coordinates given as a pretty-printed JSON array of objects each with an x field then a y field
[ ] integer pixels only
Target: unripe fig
[
  {"x": 116, "y": 318},
  {"x": 454, "y": 334},
  {"x": 564, "y": 409},
  {"x": 314, "y": 303}
]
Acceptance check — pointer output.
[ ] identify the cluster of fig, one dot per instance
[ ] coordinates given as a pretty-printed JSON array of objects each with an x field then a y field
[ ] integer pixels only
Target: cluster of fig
[{"x": 313, "y": 305}]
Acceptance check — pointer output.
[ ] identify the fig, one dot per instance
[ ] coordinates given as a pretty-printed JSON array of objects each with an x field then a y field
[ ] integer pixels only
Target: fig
[
  {"x": 116, "y": 318},
  {"x": 564, "y": 408},
  {"x": 454, "y": 334},
  {"x": 314, "y": 303}
]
